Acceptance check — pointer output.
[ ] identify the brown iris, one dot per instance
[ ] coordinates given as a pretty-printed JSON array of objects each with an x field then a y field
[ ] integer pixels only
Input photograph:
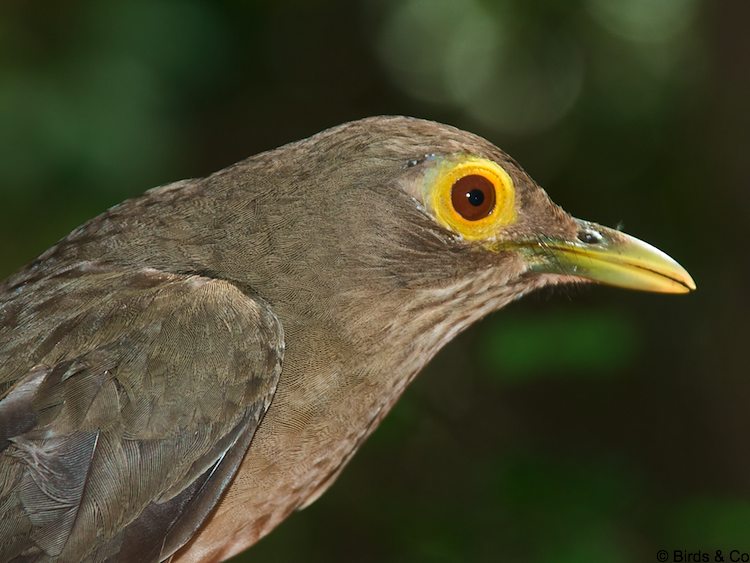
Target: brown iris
[{"x": 473, "y": 197}]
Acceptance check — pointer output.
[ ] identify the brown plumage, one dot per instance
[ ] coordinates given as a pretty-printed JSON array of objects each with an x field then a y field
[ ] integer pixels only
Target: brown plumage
[{"x": 139, "y": 356}]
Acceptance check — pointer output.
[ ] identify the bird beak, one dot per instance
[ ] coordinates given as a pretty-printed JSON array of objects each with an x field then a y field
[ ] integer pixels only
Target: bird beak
[{"x": 610, "y": 257}]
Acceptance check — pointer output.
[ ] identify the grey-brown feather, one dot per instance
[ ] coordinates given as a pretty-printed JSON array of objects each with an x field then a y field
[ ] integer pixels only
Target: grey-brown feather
[{"x": 151, "y": 381}]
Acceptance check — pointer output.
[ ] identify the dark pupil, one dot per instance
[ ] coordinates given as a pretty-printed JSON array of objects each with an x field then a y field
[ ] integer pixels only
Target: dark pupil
[{"x": 475, "y": 197}]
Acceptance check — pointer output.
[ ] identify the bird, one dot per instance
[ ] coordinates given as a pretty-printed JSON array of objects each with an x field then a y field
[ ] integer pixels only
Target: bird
[{"x": 184, "y": 371}]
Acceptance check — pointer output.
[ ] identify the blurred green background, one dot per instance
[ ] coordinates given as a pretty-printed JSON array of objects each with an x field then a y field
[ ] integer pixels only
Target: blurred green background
[{"x": 577, "y": 425}]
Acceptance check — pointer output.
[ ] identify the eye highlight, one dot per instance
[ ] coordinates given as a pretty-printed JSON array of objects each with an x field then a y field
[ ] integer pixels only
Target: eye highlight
[{"x": 471, "y": 196}]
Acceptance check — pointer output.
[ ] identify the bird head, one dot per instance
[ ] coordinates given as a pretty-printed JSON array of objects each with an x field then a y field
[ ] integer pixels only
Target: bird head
[
  {"x": 426, "y": 228},
  {"x": 429, "y": 206}
]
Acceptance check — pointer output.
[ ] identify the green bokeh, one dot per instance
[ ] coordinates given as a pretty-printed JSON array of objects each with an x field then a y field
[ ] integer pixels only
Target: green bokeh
[{"x": 592, "y": 344}]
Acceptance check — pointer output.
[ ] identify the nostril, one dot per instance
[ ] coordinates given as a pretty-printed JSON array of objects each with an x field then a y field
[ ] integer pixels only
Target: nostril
[{"x": 590, "y": 236}]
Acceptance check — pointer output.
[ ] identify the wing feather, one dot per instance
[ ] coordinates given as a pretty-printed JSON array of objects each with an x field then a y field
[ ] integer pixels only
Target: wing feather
[{"x": 129, "y": 405}]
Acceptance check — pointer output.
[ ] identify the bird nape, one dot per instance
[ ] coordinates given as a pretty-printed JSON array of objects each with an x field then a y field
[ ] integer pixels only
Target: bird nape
[{"x": 183, "y": 371}]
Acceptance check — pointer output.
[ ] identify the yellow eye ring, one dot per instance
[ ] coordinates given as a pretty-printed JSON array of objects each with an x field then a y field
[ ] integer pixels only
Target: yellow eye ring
[{"x": 473, "y": 197}]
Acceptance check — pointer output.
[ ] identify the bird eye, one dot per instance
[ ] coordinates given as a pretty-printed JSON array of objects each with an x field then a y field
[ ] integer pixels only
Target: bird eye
[{"x": 473, "y": 197}]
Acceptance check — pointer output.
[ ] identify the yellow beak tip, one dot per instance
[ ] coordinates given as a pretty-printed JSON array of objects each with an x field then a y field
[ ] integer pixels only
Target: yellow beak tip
[{"x": 614, "y": 259}]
